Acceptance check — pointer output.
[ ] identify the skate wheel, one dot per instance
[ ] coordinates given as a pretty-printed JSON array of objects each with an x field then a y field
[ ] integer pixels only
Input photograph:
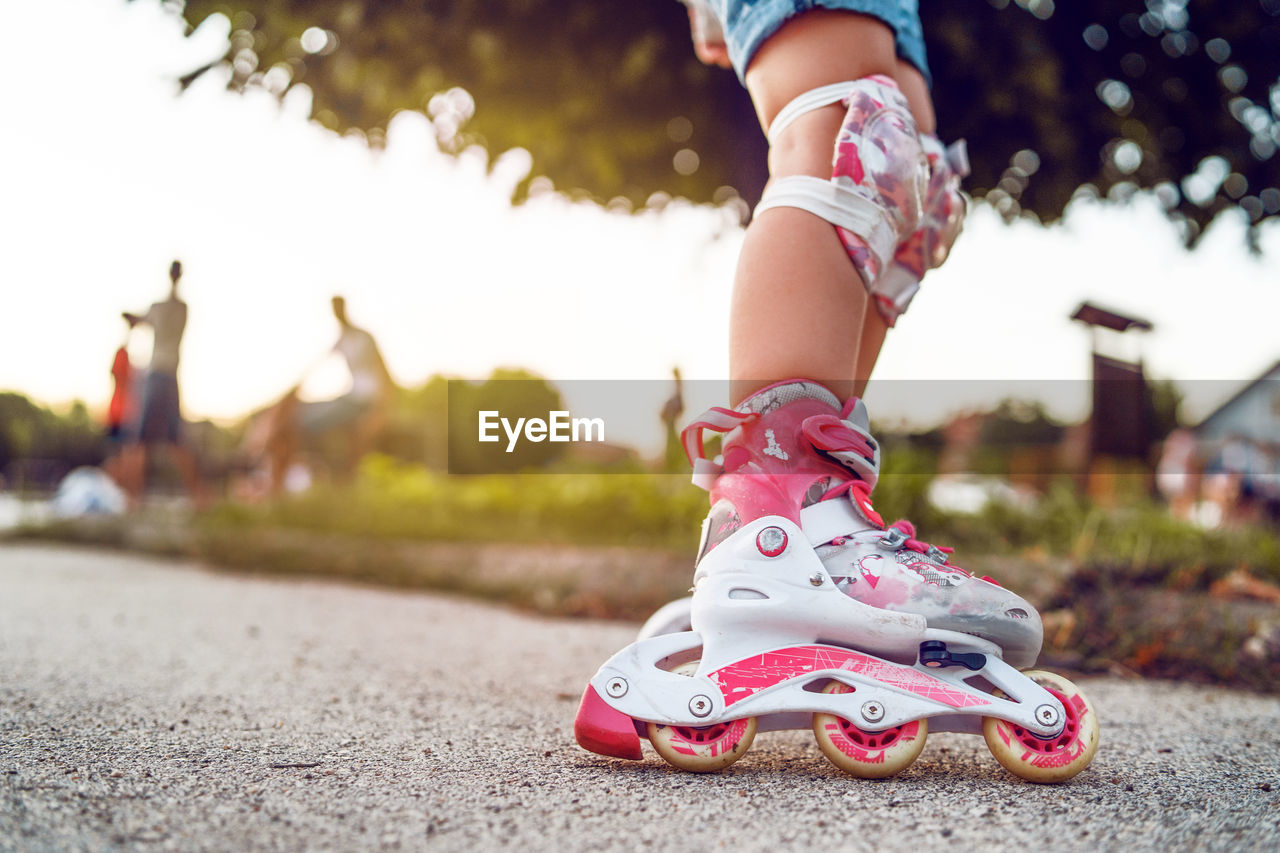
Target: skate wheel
[
  {"x": 1047, "y": 760},
  {"x": 867, "y": 755},
  {"x": 702, "y": 749}
]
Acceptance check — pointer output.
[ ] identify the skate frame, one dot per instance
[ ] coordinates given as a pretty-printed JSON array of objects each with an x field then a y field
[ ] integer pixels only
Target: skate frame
[{"x": 638, "y": 683}]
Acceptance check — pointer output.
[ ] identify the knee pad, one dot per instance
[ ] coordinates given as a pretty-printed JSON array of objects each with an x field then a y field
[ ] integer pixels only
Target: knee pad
[
  {"x": 879, "y": 172},
  {"x": 941, "y": 221}
]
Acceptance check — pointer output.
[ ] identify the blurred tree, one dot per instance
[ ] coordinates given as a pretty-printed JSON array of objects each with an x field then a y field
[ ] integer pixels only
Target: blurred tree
[
  {"x": 1099, "y": 96},
  {"x": 513, "y": 394},
  {"x": 1166, "y": 407},
  {"x": 30, "y": 432},
  {"x": 1020, "y": 422},
  {"x": 419, "y": 428}
]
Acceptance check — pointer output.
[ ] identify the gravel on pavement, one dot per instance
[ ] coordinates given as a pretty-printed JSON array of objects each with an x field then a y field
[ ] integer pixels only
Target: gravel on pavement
[{"x": 149, "y": 704}]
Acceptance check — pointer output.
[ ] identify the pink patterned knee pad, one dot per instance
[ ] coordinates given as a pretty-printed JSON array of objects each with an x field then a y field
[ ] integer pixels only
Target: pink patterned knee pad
[
  {"x": 940, "y": 224},
  {"x": 878, "y": 155}
]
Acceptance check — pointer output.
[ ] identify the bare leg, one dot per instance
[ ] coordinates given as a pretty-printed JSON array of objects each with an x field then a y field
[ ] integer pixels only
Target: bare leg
[
  {"x": 282, "y": 441},
  {"x": 916, "y": 90},
  {"x": 133, "y": 472},
  {"x": 874, "y": 330},
  {"x": 190, "y": 471},
  {"x": 799, "y": 306},
  {"x": 113, "y": 467},
  {"x": 365, "y": 432},
  {"x": 280, "y": 454}
]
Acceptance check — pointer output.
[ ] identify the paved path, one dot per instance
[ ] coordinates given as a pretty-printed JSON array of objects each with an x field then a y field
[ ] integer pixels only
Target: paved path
[{"x": 152, "y": 705}]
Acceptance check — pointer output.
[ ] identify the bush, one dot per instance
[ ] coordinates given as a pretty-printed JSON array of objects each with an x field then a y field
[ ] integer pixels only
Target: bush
[{"x": 393, "y": 500}]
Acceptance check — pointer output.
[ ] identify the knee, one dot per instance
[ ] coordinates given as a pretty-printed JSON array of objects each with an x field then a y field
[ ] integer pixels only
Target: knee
[{"x": 805, "y": 146}]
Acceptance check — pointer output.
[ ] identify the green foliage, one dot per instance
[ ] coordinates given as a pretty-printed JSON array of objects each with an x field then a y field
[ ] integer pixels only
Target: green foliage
[
  {"x": 1153, "y": 546},
  {"x": 1089, "y": 95},
  {"x": 394, "y": 500},
  {"x": 397, "y": 500},
  {"x": 1166, "y": 407},
  {"x": 1016, "y": 423},
  {"x": 1109, "y": 96},
  {"x": 512, "y": 394},
  {"x": 419, "y": 424},
  {"x": 587, "y": 88},
  {"x": 905, "y": 474},
  {"x": 1103, "y": 619},
  {"x": 31, "y": 432}
]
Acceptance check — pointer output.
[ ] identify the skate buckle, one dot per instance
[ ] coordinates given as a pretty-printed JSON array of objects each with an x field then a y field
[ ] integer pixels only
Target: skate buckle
[
  {"x": 937, "y": 555},
  {"x": 934, "y": 654},
  {"x": 893, "y": 539}
]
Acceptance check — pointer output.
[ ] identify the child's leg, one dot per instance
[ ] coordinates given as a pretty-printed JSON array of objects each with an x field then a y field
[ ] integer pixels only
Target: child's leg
[
  {"x": 871, "y": 341},
  {"x": 916, "y": 90},
  {"x": 800, "y": 304}
]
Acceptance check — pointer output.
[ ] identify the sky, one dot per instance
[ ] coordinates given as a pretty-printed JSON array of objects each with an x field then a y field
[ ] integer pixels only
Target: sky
[{"x": 109, "y": 175}]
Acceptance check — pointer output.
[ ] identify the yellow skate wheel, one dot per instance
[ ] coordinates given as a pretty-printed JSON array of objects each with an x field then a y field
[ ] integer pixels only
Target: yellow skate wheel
[
  {"x": 1056, "y": 759},
  {"x": 867, "y": 755},
  {"x": 702, "y": 749}
]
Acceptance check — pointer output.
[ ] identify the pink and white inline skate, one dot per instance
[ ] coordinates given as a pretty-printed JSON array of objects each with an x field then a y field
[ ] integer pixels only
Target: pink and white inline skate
[{"x": 808, "y": 613}]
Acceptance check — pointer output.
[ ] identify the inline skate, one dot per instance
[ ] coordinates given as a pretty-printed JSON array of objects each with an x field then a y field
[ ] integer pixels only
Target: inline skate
[{"x": 808, "y": 612}]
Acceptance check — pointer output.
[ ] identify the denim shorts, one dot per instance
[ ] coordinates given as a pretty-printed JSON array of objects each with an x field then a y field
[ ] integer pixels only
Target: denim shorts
[{"x": 747, "y": 23}]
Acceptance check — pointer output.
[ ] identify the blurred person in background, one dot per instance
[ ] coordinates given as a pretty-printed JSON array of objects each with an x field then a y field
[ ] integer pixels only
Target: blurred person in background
[
  {"x": 1177, "y": 473},
  {"x": 158, "y": 421},
  {"x": 360, "y": 414},
  {"x": 120, "y": 410},
  {"x": 1238, "y": 480}
]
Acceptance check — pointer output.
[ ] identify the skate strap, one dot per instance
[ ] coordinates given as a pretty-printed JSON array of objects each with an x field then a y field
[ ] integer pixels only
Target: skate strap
[
  {"x": 716, "y": 419},
  {"x": 957, "y": 157},
  {"x": 829, "y": 521},
  {"x": 836, "y": 203},
  {"x": 860, "y": 496},
  {"x": 855, "y": 411},
  {"x": 847, "y": 443}
]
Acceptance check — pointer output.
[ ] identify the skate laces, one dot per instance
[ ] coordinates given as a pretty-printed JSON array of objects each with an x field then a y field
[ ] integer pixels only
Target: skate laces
[{"x": 902, "y": 534}]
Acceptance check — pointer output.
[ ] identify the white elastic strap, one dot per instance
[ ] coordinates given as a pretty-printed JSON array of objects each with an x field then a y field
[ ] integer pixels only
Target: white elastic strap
[
  {"x": 705, "y": 473},
  {"x": 839, "y": 205},
  {"x": 823, "y": 96}
]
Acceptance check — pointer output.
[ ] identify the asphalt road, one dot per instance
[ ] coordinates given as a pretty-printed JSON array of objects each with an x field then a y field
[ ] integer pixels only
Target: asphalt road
[{"x": 148, "y": 705}]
